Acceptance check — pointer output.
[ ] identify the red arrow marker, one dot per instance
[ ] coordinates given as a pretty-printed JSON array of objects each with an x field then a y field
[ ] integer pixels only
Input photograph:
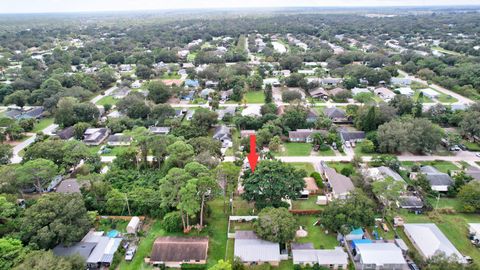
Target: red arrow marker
[{"x": 253, "y": 156}]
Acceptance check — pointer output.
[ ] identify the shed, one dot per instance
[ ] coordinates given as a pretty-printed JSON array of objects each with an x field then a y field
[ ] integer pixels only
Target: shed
[{"x": 133, "y": 225}]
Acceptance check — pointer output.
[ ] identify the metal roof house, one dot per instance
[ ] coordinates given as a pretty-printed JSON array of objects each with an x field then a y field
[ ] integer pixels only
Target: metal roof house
[
  {"x": 379, "y": 256},
  {"x": 331, "y": 258},
  {"x": 224, "y": 135},
  {"x": 429, "y": 240},
  {"x": 253, "y": 250}
]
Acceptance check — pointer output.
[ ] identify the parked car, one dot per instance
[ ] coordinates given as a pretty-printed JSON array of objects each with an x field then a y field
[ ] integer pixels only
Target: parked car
[
  {"x": 477, "y": 154},
  {"x": 455, "y": 148},
  {"x": 130, "y": 253},
  {"x": 413, "y": 266},
  {"x": 463, "y": 147}
]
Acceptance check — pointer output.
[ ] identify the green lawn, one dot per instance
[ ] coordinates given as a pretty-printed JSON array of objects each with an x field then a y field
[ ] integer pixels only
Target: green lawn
[
  {"x": 191, "y": 56},
  {"x": 441, "y": 165},
  {"x": 424, "y": 98},
  {"x": 107, "y": 100},
  {"x": 107, "y": 225},
  {"x": 255, "y": 97},
  {"x": 296, "y": 149},
  {"x": 442, "y": 50},
  {"x": 446, "y": 98},
  {"x": 308, "y": 167},
  {"x": 309, "y": 204},
  {"x": 338, "y": 166},
  {"x": 42, "y": 124},
  {"x": 443, "y": 202},
  {"x": 471, "y": 146},
  {"x": 328, "y": 152},
  {"x": 316, "y": 234},
  {"x": 116, "y": 150}
]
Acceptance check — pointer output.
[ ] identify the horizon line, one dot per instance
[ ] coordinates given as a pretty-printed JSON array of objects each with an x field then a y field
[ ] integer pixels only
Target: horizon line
[{"x": 239, "y": 8}]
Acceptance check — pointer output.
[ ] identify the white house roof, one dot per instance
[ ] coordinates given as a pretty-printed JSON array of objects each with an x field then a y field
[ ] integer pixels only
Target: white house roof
[
  {"x": 405, "y": 91},
  {"x": 380, "y": 254},
  {"x": 474, "y": 228},
  {"x": 249, "y": 248},
  {"x": 321, "y": 256},
  {"x": 252, "y": 110},
  {"x": 429, "y": 92},
  {"x": 430, "y": 240}
]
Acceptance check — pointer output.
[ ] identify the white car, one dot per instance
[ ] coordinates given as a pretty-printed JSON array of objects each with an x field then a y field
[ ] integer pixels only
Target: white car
[
  {"x": 477, "y": 154},
  {"x": 130, "y": 253}
]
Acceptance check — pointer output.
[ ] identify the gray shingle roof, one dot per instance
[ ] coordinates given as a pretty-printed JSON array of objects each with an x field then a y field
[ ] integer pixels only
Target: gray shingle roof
[{"x": 249, "y": 248}]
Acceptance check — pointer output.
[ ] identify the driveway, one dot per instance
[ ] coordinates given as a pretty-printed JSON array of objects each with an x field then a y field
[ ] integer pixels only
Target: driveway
[{"x": 107, "y": 93}]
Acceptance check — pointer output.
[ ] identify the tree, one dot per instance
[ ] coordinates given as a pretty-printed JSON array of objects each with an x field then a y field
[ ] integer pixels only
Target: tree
[
  {"x": 6, "y": 154},
  {"x": 388, "y": 191},
  {"x": 206, "y": 144},
  {"x": 158, "y": 92},
  {"x": 65, "y": 115},
  {"x": 204, "y": 118},
  {"x": 55, "y": 218},
  {"x": 275, "y": 144},
  {"x": 221, "y": 265},
  {"x": 470, "y": 125},
  {"x": 357, "y": 210},
  {"x": 442, "y": 262},
  {"x": 172, "y": 222},
  {"x": 180, "y": 153},
  {"x": 276, "y": 225},
  {"x": 38, "y": 173},
  {"x": 291, "y": 95},
  {"x": 46, "y": 260},
  {"x": 188, "y": 204},
  {"x": 469, "y": 197},
  {"x": 268, "y": 93},
  {"x": 271, "y": 182},
  {"x": 11, "y": 252},
  {"x": 291, "y": 62},
  {"x": 19, "y": 98},
  {"x": 79, "y": 129},
  {"x": 367, "y": 146},
  {"x": 143, "y": 71},
  {"x": 403, "y": 104}
]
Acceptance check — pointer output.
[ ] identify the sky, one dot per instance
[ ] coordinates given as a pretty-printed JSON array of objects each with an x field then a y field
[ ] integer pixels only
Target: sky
[{"x": 39, "y": 6}]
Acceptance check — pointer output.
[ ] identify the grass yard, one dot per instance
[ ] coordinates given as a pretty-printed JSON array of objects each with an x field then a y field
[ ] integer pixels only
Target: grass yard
[
  {"x": 325, "y": 153},
  {"x": 255, "y": 97},
  {"x": 316, "y": 234},
  {"x": 445, "y": 51},
  {"x": 443, "y": 202},
  {"x": 191, "y": 57},
  {"x": 446, "y": 98},
  {"x": 107, "y": 225},
  {"x": 338, "y": 166},
  {"x": 107, "y": 100},
  {"x": 471, "y": 146},
  {"x": 308, "y": 167},
  {"x": 116, "y": 150},
  {"x": 441, "y": 165},
  {"x": 170, "y": 76},
  {"x": 309, "y": 204},
  {"x": 297, "y": 149},
  {"x": 42, "y": 124},
  {"x": 424, "y": 98}
]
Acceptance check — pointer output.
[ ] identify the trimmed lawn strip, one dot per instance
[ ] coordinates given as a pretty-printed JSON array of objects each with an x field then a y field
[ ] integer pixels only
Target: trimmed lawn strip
[
  {"x": 308, "y": 167},
  {"x": 316, "y": 234},
  {"x": 297, "y": 149},
  {"x": 255, "y": 97},
  {"x": 42, "y": 124},
  {"x": 107, "y": 100}
]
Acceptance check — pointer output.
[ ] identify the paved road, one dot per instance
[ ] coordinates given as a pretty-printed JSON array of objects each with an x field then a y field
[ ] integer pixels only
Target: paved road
[
  {"x": 461, "y": 99},
  {"x": 107, "y": 93},
  {"x": 19, "y": 147}
]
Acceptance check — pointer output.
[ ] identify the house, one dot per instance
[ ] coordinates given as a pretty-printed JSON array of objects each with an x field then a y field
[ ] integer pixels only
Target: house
[
  {"x": 312, "y": 116},
  {"x": 68, "y": 186},
  {"x": 119, "y": 140},
  {"x": 379, "y": 256},
  {"x": 407, "y": 91},
  {"x": 159, "y": 130},
  {"x": 211, "y": 84},
  {"x": 205, "y": 93},
  {"x": 339, "y": 185},
  {"x": 331, "y": 81},
  {"x": 357, "y": 236},
  {"x": 188, "y": 96},
  {"x": 183, "y": 53},
  {"x": 336, "y": 115},
  {"x": 228, "y": 111},
  {"x": 319, "y": 92},
  {"x": 311, "y": 185},
  {"x": 380, "y": 173},
  {"x": 136, "y": 84},
  {"x": 410, "y": 202},
  {"x": 272, "y": 81},
  {"x": 252, "y": 250},
  {"x": 307, "y": 72},
  {"x": 24, "y": 113},
  {"x": 303, "y": 135},
  {"x": 400, "y": 81},
  {"x": 225, "y": 95},
  {"x": 429, "y": 241},
  {"x": 335, "y": 91},
  {"x": 329, "y": 258},
  {"x": 125, "y": 68},
  {"x": 246, "y": 133},
  {"x": 192, "y": 83},
  {"x": 66, "y": 133},
  {"x": 384, "y": 93},
  {"x": 438, "y": 181},
  {"x": 474, "y": 231},
  {"x": 284, "y": 73},
  {"x": 224, "y": 135},
  {"x": 95, "y": 136},
  {"x": 172, "y": 251},
  {"x": 97, "y": 250},
  {"x": 430, "y": 93},
  {"x": 252, "y": 110},
  {"x": 189, "y": 114},
  {"x": 351, "y": 135},
  {"x": 356, "y": 91}
]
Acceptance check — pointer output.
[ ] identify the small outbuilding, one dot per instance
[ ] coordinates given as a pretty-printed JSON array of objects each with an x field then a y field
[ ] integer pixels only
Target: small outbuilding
[{"x": 133, "y": 225}]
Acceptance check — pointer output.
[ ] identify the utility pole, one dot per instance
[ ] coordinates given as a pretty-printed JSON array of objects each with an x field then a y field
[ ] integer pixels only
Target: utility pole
[{"x": 128, "y": 205}]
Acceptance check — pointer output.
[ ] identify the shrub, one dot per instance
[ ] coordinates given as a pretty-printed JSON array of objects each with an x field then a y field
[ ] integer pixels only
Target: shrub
[
  {"x": 346, "y": 171},
  {"x": 172, "y": 222}
]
